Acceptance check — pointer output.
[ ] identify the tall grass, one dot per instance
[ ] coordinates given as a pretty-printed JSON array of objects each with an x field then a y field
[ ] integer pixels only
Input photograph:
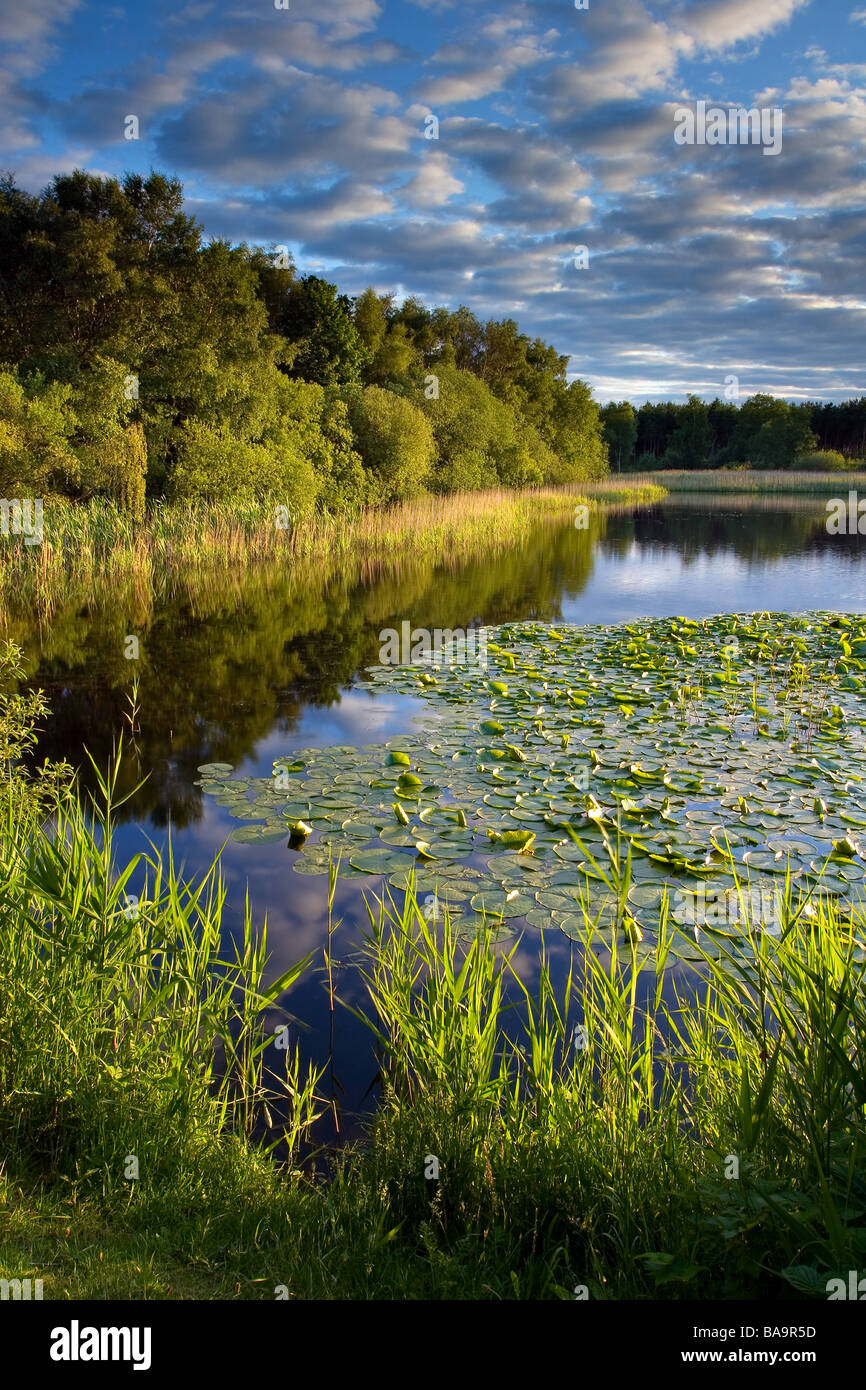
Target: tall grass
[
  {"x": 609, "y": 1162},
  {"x": 609, "y": 1129},
  {"x": 94, "y": 550},
  {"x": 127, "y": 1028},
  {"x": 752, "y": 481},
  {"x": 509, "y": 1156}
]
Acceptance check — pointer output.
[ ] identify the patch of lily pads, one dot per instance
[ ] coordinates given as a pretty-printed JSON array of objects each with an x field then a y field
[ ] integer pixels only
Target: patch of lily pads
[{"x": 724, "y": 757}]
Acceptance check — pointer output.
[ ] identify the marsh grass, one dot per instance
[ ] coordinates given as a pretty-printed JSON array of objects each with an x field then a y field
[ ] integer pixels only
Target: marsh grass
[
  {"x": 126, "y": 1028},
  {"x": 614, "y": 1157},
  {"x": 95, "y": 552},
  {"x": 752, "y": 481},
  {"x": 561, "y": 1167}
]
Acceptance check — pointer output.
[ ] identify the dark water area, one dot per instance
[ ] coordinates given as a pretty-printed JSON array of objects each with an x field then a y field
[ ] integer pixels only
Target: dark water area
[{"x": 244, "y": 669}]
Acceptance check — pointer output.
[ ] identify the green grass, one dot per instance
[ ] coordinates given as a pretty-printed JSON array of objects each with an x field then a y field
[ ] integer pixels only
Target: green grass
[
  {"x": 127, "y": 1029},
  {"x": 559, "y": 1168}
]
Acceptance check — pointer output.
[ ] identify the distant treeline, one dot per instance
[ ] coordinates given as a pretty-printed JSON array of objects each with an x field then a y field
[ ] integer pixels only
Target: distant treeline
[
  {"x": 764, "y": 431},
  {"x": 137, "y": 359}
]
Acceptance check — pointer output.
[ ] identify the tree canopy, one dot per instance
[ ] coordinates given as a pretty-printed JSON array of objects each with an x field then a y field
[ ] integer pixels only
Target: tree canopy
[{"x": 135, "y": 354}]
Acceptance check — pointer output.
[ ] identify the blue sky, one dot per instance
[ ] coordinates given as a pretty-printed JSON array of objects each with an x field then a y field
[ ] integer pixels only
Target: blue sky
[{"x": 305, "y": 127}]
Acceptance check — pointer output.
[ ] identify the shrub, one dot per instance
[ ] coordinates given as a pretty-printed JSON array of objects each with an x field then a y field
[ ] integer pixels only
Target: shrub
[
  {"x": 116, "y": 467},
  {"x": 515, "y": 466},
  {"x": 36, "y": 422},
  {"x": 824, "y": 461},
  {"x": 25, "y": 798},
  {"x": 314, "y": 420},
  {"x": 480, "y": 439},
  {"x": 213, "y": 464},
  {"x": 395, "y": 441}
]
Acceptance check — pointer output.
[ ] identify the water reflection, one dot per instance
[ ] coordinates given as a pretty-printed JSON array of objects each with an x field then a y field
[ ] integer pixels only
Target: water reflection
[{"x": 237, "y": 665}]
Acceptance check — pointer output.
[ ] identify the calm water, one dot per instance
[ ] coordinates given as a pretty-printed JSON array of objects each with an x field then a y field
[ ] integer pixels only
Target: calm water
[{"x": 242, "y": 671}]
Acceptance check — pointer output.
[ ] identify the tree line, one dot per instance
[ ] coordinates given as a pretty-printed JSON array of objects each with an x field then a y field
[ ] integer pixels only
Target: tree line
[
  {"x": 138, "y": 359},
  {"x": 764, "y": 431}
]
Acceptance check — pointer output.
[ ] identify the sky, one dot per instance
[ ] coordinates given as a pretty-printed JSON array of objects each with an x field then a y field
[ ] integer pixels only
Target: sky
[{"x": 708, "y": 267}]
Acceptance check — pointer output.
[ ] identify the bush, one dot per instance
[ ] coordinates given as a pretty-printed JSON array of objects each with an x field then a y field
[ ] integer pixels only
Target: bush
[
  {"x": 23, "y": 797},
  {"x": 824, "y": 461},
  {"x": 116, "y": 467},
  {"x": 36, "y": 422},
  {"x": 481, "y": 440},
  {"x": 516, "y": 469},
  {"x": 214, "y": 465},
  {"x": 314, "y": 420},
  {"x": 395, "y": 441}
]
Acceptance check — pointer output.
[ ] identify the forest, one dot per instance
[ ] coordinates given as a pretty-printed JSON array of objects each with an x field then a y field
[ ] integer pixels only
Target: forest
[
  {"x": 141, "y": 361},
  {"x": 765, "y": 432},
  {"x": 138, "y": 360}
]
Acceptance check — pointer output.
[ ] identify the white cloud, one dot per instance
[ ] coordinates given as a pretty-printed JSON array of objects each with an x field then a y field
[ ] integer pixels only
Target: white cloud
[
  {"x": 719, "y": 24},
  {"x": 434, "y": 184}
]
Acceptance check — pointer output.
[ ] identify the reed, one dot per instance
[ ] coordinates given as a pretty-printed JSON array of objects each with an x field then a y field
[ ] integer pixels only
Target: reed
[
  {"x": 560, "y": 1167},
  {"x": 92, "y": 552},
  {"x": 123, "y": 1022},
  {"x": 753, "y": 481}
]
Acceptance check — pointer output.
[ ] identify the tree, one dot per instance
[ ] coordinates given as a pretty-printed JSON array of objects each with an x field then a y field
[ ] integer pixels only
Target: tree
[
  {"x": 418, "y": 321},
  {"x": 394, "y": 357},
  {"x": 370, "y": 318},
  {"x": 620, "y": 432},
  {"x": 318, "y": 321},
  {"x": 722, "y": 416},
  {"x": 770, "y": 433},
  {"x": 459, "y": 337},
  {"x": 576, "y": 435},
  {"x": 229, "y": 373},
  {"x": 388, "y": 341},
  {"x": 689, "y": 445},
  {"x": 37, "y": 421},
  {"x": 395, "y": 441},
  {"x": 655, "y": 425},
  {"x": 781, "y": 440}
]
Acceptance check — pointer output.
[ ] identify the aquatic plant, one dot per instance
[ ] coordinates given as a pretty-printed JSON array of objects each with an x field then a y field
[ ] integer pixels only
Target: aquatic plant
[{"x": 717, "y": 757}]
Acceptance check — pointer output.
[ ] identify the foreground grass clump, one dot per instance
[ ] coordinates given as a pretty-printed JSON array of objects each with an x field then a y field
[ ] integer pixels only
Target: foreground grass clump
[
  {"x": 125, "y": 1030},
  {"x": 97, "y": 551},
  {"x": 592, "y": 1162},
  {"x": 595, "y": 1161}
]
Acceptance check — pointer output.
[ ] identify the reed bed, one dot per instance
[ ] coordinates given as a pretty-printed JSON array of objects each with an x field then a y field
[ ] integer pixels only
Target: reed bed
[
  {"x": 753, "y": 481},
  {"x": 92, "y": 551},
  {"x": 755, "y": 503}
]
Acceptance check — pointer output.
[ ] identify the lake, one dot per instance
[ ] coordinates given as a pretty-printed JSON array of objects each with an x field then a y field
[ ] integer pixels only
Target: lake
[{"x": 247, "y": 668}]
